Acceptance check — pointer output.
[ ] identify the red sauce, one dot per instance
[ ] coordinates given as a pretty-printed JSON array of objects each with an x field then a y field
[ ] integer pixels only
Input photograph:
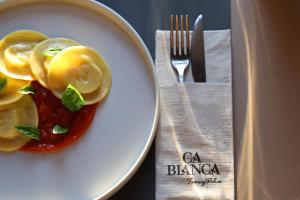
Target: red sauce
[{"x": 52, "y": 112}]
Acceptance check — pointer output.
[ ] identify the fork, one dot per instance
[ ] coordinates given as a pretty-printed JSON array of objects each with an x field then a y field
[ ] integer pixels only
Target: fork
[{"x": 180, "y": 58}]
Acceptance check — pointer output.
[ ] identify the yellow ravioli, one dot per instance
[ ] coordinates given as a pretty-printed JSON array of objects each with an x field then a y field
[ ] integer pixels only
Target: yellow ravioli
[
  {"x": 39, "y": 60},
  {"x": 15, "y": 50},
  {"x": 9, "y": 93},
  {"x": 20, "y": 113},
  {"x": 83, "y": 68}
]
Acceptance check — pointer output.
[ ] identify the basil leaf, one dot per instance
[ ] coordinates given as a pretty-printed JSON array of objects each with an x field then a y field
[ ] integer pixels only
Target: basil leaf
[
  {"x": 3, "y": 82},
  {"x": 57, "y": 129},
  {"x": 72, "y": 99},
  {"x": 52, "y": 51},
  {"x": 27, "y": 90},
  {"x": 29, "y": 131}
]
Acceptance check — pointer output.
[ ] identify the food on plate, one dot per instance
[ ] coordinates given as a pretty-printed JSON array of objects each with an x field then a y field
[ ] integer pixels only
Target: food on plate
[
  {"x": 83, "y": 68},
  {"x": 49, "y": 91},
  {"x": 15, "y": 49},
  {"x": 43, "y": 54},
  {"x": 9, "y": 89},
  {"x": 58, "y": 126},
  {"x": 21, "y": 114}
]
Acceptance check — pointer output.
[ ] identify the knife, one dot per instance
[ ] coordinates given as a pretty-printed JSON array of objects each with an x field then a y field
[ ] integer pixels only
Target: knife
[{"x": 197, "y": 51}]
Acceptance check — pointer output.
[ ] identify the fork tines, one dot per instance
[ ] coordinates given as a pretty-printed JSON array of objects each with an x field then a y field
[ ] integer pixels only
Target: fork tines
[{"x": 185, "y": 44}]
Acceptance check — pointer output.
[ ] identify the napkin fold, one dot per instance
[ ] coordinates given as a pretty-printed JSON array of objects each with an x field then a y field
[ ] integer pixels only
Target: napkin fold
[{"x": 194, "y": 141}]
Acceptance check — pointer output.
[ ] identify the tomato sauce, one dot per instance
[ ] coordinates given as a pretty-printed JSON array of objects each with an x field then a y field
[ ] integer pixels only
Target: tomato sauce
[{"x": 51, "y": 112}]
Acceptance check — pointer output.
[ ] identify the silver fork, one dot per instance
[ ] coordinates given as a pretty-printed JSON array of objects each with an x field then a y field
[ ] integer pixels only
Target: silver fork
[{"x": 180, "y": 60}]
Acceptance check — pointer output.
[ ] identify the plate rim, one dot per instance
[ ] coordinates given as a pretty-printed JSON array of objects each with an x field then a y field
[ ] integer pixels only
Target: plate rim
[{"x": 130, "y": 31}]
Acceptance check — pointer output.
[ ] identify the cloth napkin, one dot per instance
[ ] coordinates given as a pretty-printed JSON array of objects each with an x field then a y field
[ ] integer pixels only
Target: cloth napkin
[{"x": 194, "y": 141}]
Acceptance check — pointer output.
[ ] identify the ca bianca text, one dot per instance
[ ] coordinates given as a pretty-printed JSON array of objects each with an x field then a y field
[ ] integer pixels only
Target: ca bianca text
[
  {"x": 193, "y": 169},
  {"x": 193, "y": 166}
]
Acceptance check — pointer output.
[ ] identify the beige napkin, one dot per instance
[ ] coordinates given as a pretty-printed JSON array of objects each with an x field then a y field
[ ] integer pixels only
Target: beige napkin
[{"x": 194, "y": 142}]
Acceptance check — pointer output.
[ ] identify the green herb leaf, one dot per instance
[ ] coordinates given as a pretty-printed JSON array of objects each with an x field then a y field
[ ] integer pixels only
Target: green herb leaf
[
  {"x": 57, "y": 129},
  {"x": 72, "y": 99},
  {"x": 3, "y": 82},
  {"x": 27, "y": 90},
  {"x": 29, "y": 131},
  {"x": 52, "y": 51}
]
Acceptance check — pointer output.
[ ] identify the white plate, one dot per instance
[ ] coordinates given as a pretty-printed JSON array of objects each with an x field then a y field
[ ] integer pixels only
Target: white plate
[{"x": 124, "y": 127}]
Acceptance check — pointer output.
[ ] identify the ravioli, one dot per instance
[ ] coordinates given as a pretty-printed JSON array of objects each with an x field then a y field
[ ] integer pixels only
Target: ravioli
[
  {"x": 50, "y": 66},
  {"x": 9, "y": 93},
  {"x": 15, "y": 49},
  {"x": 83, "y": 68},
  {"x": 39, "y": 59},
  {"x": 20, "y": 113}
]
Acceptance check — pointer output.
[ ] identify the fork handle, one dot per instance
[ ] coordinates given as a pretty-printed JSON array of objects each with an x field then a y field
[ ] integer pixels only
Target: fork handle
[
  {"x": 180, "y": 71},
  {"x": 181, "y": 78}
]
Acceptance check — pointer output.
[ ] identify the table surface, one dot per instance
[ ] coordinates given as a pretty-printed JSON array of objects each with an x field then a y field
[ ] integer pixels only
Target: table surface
[{"x": 146, "y": 16}]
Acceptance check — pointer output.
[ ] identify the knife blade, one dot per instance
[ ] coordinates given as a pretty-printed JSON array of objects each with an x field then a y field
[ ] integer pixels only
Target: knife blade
[{"x": 197, "y": 51}]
